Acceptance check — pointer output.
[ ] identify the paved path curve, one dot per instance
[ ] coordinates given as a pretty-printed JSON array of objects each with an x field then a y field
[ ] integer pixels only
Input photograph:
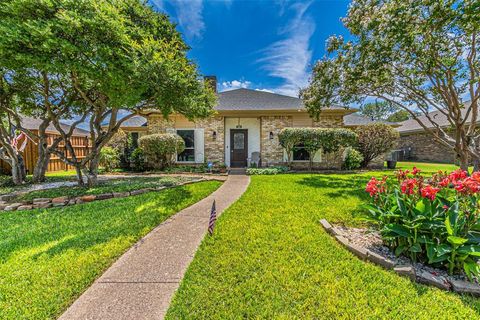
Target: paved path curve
[{"x": 141, "y": 284}]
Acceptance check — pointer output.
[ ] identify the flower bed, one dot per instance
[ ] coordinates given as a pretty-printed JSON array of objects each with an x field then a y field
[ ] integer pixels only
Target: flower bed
[{"x": 432, "y": 220}]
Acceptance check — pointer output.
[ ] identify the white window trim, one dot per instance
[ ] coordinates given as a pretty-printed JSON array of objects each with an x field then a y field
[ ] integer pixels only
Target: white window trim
[{"x": 194, "y": 146}]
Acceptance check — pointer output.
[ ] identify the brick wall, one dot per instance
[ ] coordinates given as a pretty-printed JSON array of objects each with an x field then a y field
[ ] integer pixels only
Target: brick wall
[
  {"x": 271, "y": 150},
  {"x": 425, "y": 148},
  {"x": 214, "y": 148}
]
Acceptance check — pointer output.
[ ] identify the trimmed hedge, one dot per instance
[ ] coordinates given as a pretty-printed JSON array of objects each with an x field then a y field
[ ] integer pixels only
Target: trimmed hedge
[
  {"x": 160, "y": 149},
  {"x": 327, "y": 139}
]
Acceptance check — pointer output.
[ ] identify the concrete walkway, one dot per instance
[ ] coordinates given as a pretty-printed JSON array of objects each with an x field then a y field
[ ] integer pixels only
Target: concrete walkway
[{"x": 141, "y": 284}]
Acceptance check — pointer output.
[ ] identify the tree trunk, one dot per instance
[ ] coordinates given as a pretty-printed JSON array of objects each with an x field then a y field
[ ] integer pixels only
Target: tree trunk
[
  {"x": 42, "y": 164},
  {"x": 78, "y": 170},
  {"x": 463, "y": 159},
  {"x": 92, "y": 173},
  {"x": 18, "y": 170}
]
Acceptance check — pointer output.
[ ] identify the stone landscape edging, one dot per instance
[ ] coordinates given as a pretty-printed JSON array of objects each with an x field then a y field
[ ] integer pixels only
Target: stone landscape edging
[
  {"x": 43, "y": 203},
  {"x": 424, "y": 277}
]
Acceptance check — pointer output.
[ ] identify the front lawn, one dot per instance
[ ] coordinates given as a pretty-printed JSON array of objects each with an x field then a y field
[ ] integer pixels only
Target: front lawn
[
  {"x": 49, "y": 257},
  {"x": 107, "y": 186},
  {"x": 427, "y": 166},
  {"x": 269, "y": 258}
]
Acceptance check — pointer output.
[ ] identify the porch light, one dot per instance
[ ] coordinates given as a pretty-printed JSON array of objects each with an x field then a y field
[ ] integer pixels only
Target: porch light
[
  {"x": 271, "y": 135},
  {"x": 214, "y": 135}
]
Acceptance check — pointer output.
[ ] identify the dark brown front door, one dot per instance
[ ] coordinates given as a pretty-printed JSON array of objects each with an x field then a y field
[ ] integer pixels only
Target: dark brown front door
[{"x": 238, "y": 148}]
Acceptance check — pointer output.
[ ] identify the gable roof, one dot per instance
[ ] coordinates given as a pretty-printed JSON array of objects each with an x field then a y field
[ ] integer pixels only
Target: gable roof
[
  {"x": 411, "y": 125},
  {"x": 135, "y": 121},
  {"x": 31, "y": 123},
  {"x": 254, "y": 100}
]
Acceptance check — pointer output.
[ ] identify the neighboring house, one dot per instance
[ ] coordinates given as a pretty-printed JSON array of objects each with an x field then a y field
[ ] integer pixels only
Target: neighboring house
[
  {"x": 135, "y": 127},
  {"x": 247, "y": 122},
  {"x": 419, "y": 145},
  {"x": 80, "y": 140}
]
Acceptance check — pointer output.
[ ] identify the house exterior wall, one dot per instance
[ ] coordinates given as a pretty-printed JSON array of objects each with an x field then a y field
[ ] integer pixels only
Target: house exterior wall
[
  {"x": 259, "y": 128},
  {"x": 253, "y": 127},
  {"x": 213, "y": 146},
  {"x": 423, "y": 147}
]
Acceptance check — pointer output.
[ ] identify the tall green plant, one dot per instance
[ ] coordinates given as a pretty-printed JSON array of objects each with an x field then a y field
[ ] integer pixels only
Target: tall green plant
[{"x": 314, "y": 139}]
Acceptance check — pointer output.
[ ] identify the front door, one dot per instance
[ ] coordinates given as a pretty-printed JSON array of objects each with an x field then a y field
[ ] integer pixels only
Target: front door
[{"x": 238, "y": 148}]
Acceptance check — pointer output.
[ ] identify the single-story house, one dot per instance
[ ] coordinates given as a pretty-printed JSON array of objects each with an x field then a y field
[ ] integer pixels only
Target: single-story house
[
  {"x": 418, "y": 145},
  {"x": 247, "y": 122},
  {"x": 80, "y": 141}
]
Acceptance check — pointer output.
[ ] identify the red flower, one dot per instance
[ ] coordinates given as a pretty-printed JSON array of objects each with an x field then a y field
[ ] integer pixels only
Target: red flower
[
  {"x": 402, "y": 175},
  {"x": 416, "y": 171},
  {"x": 467, "y": 186},
  {"x": 458, "y": 174},
  {"x": 373, "y": 187},
  {"x": 408, "y": 186},
  {"x": 444, "y": 183},
  {"x": 429, "y": 192}
]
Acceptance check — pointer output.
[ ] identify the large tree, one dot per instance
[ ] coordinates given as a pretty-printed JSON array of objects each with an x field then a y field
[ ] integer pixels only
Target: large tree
[
  {"x": 110, "y": 56},
  {"x": 419, "y": 55}
]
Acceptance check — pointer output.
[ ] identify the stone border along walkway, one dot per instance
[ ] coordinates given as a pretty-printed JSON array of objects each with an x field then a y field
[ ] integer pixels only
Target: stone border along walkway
[
  {"x": 424, "y": 277},
  {"x": 65, "y": 200},
  {"x": 142, "y": 282}
]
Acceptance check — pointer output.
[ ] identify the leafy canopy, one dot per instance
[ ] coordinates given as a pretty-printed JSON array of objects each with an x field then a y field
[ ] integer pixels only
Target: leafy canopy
[{"x": 419, "y": 55}]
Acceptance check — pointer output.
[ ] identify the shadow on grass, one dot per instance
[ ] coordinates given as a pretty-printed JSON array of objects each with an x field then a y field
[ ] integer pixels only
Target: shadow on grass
[
  {"x": 54, "y": 231},
  {"x": 337, "y": 187}
]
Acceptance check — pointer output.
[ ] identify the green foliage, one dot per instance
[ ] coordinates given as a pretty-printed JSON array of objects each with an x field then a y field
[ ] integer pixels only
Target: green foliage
[
  {"x": 419, "y": 55},
  {"x": 109, "y": 158},
  {"x": 434, "y": 220},
  {"x": 267, "y": 171},
  {"x": 375, "y": 140},
  {"x": 314, "y": 139},
  {"x": 269, "y": 245},
  {"x": 160, "y": 149},
  {"x": 353, "y": 159},
  {"x": 48, "y": 257},
  {"x": 137, "y": 160},
  {"x": 399, "y": 116},
  {"x": 379, "y": 110}
]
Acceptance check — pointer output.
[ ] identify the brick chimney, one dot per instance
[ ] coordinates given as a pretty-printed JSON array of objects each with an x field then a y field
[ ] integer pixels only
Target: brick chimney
[{"x": 212, "y": 82}]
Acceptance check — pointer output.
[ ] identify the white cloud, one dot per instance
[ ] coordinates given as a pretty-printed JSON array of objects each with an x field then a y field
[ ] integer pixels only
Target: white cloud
[
  {"x": 234, "y": 84},
  {"x": 289, "y": 58},
  {"x": 188, "y": 14}
]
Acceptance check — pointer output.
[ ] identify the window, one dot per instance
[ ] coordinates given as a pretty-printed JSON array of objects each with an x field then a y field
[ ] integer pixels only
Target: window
[
  {"x": 300, "y": 154},
  {"x": 134, "y": 136},
  {"x": 188, "y": 155}
]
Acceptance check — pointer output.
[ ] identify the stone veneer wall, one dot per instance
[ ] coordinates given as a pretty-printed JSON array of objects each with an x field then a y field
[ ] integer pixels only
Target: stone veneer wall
[
  {"x": 271, "y": 150},
  {"x": 425, "y": 148},
  {"x": 214, "y": 148},
  {"x": 330, "y": 121}
]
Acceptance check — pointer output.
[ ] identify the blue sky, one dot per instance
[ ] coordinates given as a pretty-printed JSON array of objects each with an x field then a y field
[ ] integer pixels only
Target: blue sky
[{"x": 258, "y": 44}]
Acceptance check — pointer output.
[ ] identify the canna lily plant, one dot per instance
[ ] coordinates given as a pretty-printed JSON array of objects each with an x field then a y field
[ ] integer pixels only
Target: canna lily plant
[{"x": 433, "y": 220}]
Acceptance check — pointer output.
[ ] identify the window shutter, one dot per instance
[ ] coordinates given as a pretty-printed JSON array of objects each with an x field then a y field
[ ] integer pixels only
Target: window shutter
[
  {"x": 318, "y": 156},
  {"x": 199, "y": 146}
]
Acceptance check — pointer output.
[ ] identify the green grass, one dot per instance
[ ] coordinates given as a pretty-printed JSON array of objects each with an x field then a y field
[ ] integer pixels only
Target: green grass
[
  {"x": 114, "y": 185},
  {"x": 270, "y": 259},
  {"x": 49, "y": 257},
  {"x": 427, "y": 167}
]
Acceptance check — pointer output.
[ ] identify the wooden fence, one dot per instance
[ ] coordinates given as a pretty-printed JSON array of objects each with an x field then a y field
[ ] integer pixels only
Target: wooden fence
[{"x": 30, "y": 154}]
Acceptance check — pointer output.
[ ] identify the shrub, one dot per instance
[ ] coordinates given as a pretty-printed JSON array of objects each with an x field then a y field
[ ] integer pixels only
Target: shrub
[
  {"x": 352, "y": 159},
  {"x": 267, "y": 171},
  {"x": 314, "y": 139},
  {"x": 160, "y": 149},
  {"x": 434, "y": 220},
  {"x": 109, "y": 158},
  {"x": 374, "y": 140},
  {"x": 137, "y": 160}
]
